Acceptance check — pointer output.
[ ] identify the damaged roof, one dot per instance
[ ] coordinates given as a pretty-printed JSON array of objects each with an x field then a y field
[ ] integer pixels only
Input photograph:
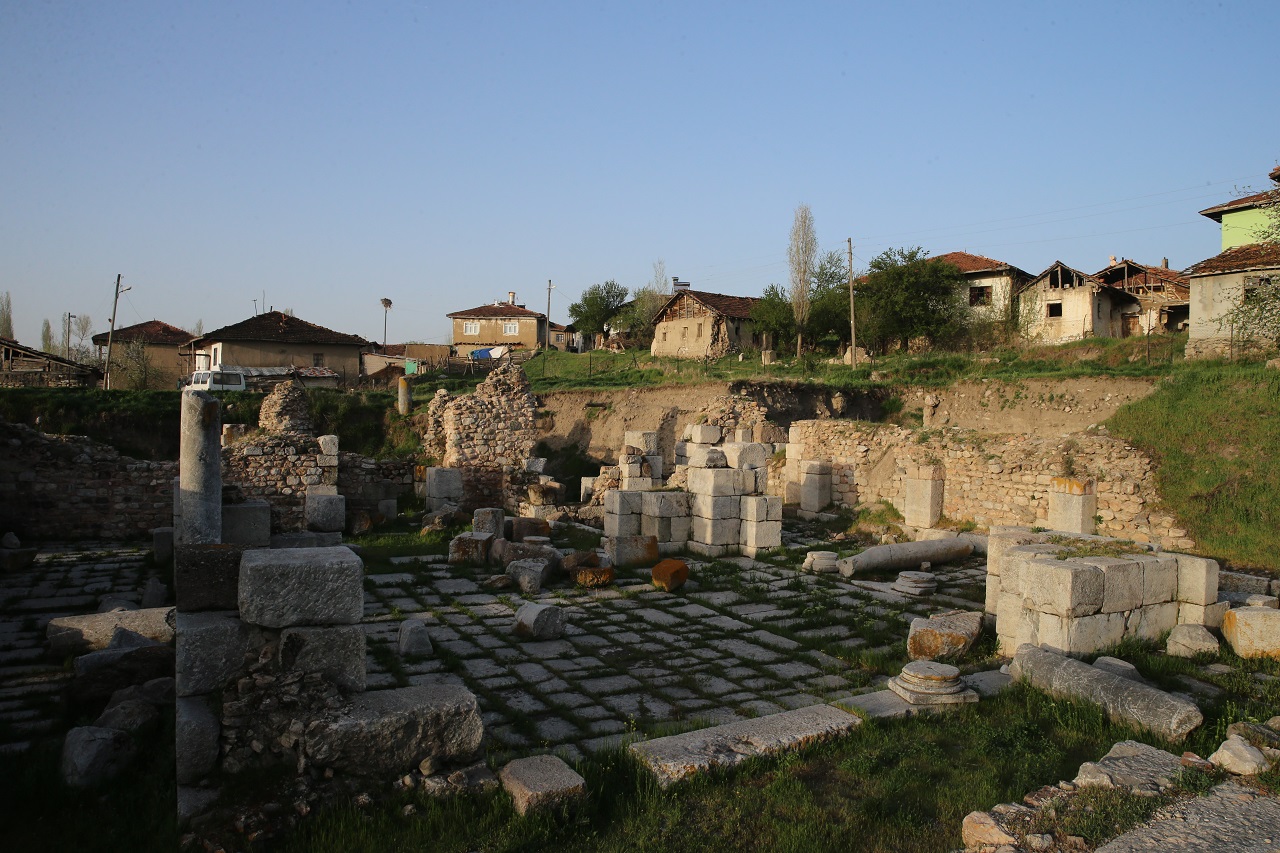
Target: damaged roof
[
  {"x": 1252, "y": 256},
  {"x": 282, "y": 328},
  {"x": 968, "y": 263},
  {"x": 733, "y": 307}
]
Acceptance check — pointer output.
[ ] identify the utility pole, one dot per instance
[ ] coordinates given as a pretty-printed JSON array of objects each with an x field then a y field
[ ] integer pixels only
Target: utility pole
[
  {"x": 550, "y": 287},
  {"x": 106, "y": 383},
  {"x": 66, "y": 335},
  {"x": 853, "y": 331}
]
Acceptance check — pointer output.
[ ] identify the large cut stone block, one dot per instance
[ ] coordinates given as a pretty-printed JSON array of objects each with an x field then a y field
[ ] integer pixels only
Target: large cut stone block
[
  {"x": 761, "y": 508},
  {"x": 1153, "y": 620},
  {"x": 1253, "y": 632},
  {"x": 705, "y": 456},
  {"x": 92, "y": 755},
  {"x": 1159, "y": 578},
  {"x": 710, "y": 506},
  {"x": 645, "y": 441},
  {"x": 1079, "y": 635},
  {"x": 623, "y": 503},
  {"x": 488, "y": 520},
  {"x": 621, "y": 525},
  {"x": 746, "y": 455},
  {"x": 206, "y": 576},
  {"x": 470, "y": 548},
  {"x": 444, "y": 484},
  {"x": 1124, "y": 701},
  {"x": 247, "y": 523},
  {"x": 335, "y": 652},
  {"x": 721, "y": 482},
  {"x": 388, "y": 733},
  {"x": 664, "y": 504},
  {"x": 301, "y": 586},
  {"x": 704, "y": 433},
  {"x": 1064, "y": 587},
  {"x": 1122, "y": 581},
  {"x": 325, "y": 513},
  {"x": 1197, "y": 579},
  {"x": 760, "y": 534},
  {"x": 542, "y": 782},
  {"x": 1072, "y": 506},
  {"x": 209, "y": 651},
  {"x": 78, "y": 634},
  {"x": 710, "y": 531},
  {"x": 651, "y": 525},
  {"x": 631, "y": 550},
  {"x": 195, "y": 738},
  {"x": 944, "y": 636},
  {"x": 923, "y": 501},
  {"x": 1208, "y": 615}
]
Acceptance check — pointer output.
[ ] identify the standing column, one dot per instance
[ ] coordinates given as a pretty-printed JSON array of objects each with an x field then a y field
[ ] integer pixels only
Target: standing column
[
  {"x": 404, "y": 397},
  {"x": 200, "y": 469}
]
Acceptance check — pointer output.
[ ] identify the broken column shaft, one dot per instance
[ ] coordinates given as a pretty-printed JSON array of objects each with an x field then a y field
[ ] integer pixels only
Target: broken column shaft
[{"x": 200, "y": 469}]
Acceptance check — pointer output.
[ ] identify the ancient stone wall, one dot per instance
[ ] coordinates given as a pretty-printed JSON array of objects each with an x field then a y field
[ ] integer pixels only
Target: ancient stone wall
[
  {"x": 70, "y": 488},
  {"x": 989, "y": 479}
]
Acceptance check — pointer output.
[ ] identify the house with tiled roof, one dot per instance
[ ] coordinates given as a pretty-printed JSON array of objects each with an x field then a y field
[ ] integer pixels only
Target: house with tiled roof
[
  {"x": 277, "y": 339},
  {"x": 22, "y": 366},
  {"x": 1063, "y": 304},
  {"x": 698, "y": 324},
  {"x": 163, "y": 346},
  {"x": 1221, "y": 283},
  {"x": 499, "y": 324},
  {"x": 991, "y": 284},
  {"x": 1162, "y": 293}
]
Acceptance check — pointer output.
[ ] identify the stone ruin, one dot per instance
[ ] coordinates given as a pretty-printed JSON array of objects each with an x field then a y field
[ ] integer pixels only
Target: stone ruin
[{"x": 286, "y": 410}]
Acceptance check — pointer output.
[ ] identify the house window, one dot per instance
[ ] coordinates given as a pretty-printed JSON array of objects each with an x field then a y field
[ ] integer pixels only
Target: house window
[
  {"x": 684, "y": 333},
  {"x": 979, "y": 296},
  {"x": 215, "y": 359},
  {"x": 664, "y": 336},
  {"x": 559, "y": 337},
  {"x": 317, "y": 359},
  {"x": 512, "y": 328},
  {"x": 1055, "y": 309},
  {"x": 471, "y": 327},
  {"x": 699, "y": 331}
]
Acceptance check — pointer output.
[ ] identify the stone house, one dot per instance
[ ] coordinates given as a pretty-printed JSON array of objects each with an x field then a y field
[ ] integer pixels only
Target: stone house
[
  {"x": 991, "y": 284},
  {"x": 1162, "y": 293},
  {"x": 163, "y": 347},
  {"x": 502, "y": 324},
  {"x": 697, "y": 324},
  {"x": 22, "y": 365},
  {"x": 1221, "y": 283},
  {"x": 1063, "y": 304},
  {"x": 276, "y": 339}
]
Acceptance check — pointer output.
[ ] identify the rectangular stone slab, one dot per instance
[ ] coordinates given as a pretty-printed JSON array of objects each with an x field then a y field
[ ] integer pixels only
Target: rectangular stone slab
[
  {"x": 301, "y": 586},
  {"x": 677, "y": 757}
]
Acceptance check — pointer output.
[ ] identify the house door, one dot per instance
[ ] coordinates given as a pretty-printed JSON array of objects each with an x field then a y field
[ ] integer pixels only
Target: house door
[{"x": 1132, "y": 326}]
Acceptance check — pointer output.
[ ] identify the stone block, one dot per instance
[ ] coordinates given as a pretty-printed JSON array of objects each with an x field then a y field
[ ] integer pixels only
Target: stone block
[
  {"x": 1208, "y": 615},
  {"x": 791, "y": 492},
  {"x": 720, "y": 482},
  {"x": 746, "y": 455},
  {"x": 1159, "y": 578},
  {"x": 681, "y": 528},
  {"x": 711, "y": 551},
  {"x": 206, "y": 576},
  {"x": 247, "y": 523},
  {"x": 711, "y": 531},
  {"x": 760, "y": 535},
  {"x": 815, "y": 489},
  {"x": 664, "y": 504},
  {"x": 1152, "y": 621},
  {"x": 413, "y": 639},
  {"x": 162, "y": 545},
  {"x": 328, "y": 445},
  {"x": 389, "y": 508},
  {"x": 541, "y": 783},
  {"x": 704, "y": 433},
  {"x": 387, "y": 733},
  {"x": 1197, "y": 579},
  {"x": 1240, "y": 582},
  {"x": 488, "y": 520},
  {"x": 657, "y": 466},
  {"x": 92, "y": 756},
  {"x": 715, "y": 507},
  {"x": 538, "y": 621},
  {"x": 1063, "y": 587},
  {"x": 444, "y": 483},
  {"x": 1187, "y": 641},
  {"x": 325, "y": 513},
  {"x": 623, "y": 503},
  {"x": 587, "y": 489},
  {"x": 621, "y": 525},
  {"x": 945, "y": 636},
  {"x": 1080, "y": 635},
  {"x": 74, "y": 635},
  {"x": 592, "y": 577},
  {"x": 814, "y": 467},
  {"x": 196, "y": 738},
  {"x": 705, "y": 456},
  {"x": 1122, "y": 582},
  {"x": 655, "y": 526},
  {"x": 209, "y": 651},
  {"x": 630, "y": 470},
  {"x": 529, "y": 575},
  {"x": 923, "y": 501},
  {"x": 301, "y": 586},
  {"x": 470, "y": 548},
  {"x": 337, "y": 653},
  {"x": 1072, "y": 505},
  {"x": 1253, "y": 631},
  {"x": 761, "y": 508},
  {"x": 631, "y": 550},
  {"x": 522, "y": 528},
  {"x": 505, "y": 553},
  {"x": 670, "y": 574},
  {"x": 991, "y": 600},
  {"x": 646, "y": 441},
  {"x": 639, "y": 485}
]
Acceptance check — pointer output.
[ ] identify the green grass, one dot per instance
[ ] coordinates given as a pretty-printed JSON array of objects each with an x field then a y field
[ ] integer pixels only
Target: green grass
[{"x": 1211, "y": 428}]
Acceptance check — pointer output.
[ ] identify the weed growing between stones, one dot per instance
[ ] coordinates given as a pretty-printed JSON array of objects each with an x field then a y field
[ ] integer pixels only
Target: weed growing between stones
[{"x": 1096, "y": 814}]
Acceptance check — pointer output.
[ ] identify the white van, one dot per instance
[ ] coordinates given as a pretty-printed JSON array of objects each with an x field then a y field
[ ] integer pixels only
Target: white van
[{"x": 216, "y": 380}]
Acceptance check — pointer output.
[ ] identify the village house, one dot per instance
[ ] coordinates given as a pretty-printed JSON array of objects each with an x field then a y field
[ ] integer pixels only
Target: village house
[
  {"x": 276, "y": 339},
  {"x": 1221, "y": 283},
  {"x": 1162, "y": 293},
  {"x": 991, "y": 284},
  {"x": 157, "y": 343},
  {"x": 24, "y": 366},
  {"x": 1063, "y": 304},
  {"x": 502, "y": 324},
  {"x": 697, "y": 324}
]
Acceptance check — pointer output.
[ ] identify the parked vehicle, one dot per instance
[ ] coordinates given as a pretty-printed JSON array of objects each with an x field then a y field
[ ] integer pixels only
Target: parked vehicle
[{"x": 215, "y": 380}]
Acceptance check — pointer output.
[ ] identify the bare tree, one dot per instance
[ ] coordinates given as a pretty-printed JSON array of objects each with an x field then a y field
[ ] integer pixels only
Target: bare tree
[
  {"x": 802, "y": 258},
  {"x": 6, "y": 316},
  {"x": 135, "y": 365},
  {"x": 198, "y": 329},
  {"x": 82, "y": 328},
  {"x": 660, "y": 283}
]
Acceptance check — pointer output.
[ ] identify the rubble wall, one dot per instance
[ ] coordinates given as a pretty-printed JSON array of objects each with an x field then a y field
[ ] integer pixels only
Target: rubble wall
[{"x": 990, "y": 479}]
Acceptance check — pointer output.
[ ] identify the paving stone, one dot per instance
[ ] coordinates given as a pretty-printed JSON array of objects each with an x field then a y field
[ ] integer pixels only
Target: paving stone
[{"x": 609, "y": 684}]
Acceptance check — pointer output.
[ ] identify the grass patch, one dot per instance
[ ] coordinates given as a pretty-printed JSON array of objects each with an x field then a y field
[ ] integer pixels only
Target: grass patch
[{"x": 1073, "y": 547}]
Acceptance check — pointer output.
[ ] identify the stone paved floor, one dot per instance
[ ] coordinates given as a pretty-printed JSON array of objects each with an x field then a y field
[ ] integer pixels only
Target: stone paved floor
[
  {"x": 61, "y": 582},
  {"x": 741, "y": 639}
]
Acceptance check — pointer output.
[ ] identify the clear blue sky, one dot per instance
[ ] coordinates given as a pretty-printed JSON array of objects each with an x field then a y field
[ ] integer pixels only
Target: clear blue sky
[{"x": 442, "y": 154}]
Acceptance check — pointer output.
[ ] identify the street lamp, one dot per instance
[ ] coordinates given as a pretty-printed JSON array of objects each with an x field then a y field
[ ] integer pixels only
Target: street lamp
[{"x": 386, "y": 306}]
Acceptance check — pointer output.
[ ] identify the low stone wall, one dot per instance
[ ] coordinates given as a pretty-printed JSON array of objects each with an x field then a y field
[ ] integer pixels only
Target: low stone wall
[
  {"x": 988, "y": 479},
  {"x": 70, "y": 488}
]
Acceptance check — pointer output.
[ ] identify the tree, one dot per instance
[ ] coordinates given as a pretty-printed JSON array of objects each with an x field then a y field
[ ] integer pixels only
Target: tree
[
  {"x": 135, "y": 365},
  {"x": 772, "y": 315},
  {"x": 82, "y": 328},
  {"x": 636, "y": 317},
  {"x": 802, "y": 254},
  {"x": 198, "y": 329},
  {"x": 910, "y": 296},
  {"x": 6, "y": 316},
  {"x": 599, "y": 304},
  {"x": 1255, "y": 320},
  {"x": 46, "y": 336},
  {"x": 829, "y": 311}
]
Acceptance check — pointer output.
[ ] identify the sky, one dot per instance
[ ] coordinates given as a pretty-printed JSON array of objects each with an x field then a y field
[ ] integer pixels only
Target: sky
[{"x": 321, "y": 156}]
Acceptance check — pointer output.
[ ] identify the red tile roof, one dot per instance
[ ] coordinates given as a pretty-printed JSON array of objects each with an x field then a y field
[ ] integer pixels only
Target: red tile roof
[
  {"x": 733, "y": 307},
  {"x": 1215, "y": 212},
  {"x": 502, "y": 310},
  {"x": 282, "y": 328},
  {"x": 968, "y": 263},
  {"x": 1254, "y": 256},
  {"x": 151, "y": 332}
]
